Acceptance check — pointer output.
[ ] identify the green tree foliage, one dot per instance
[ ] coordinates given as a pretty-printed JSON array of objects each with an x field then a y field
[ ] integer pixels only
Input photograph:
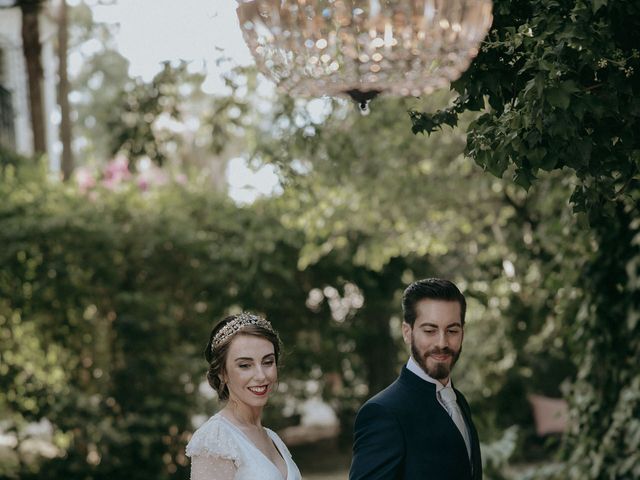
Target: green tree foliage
[
  {"x": 97, "y": 87},
  {"x": 380, "y": 201},
  {"x": 109, "y": 295},
  {"x": 107, "y": 301},
  {"x": 135, "y": 128},
  {"x": 559, "y": 80},
  {"x": 107, "y": 298},
  {"x": 119, "y": 114}
]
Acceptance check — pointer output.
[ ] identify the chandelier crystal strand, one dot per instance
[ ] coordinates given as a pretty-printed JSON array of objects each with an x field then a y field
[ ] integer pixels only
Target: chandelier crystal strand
[{"x": 363, "y": 48}]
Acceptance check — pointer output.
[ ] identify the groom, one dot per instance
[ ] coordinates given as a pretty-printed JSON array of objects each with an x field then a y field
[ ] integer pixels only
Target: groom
[{"x": 420, "y": 427}]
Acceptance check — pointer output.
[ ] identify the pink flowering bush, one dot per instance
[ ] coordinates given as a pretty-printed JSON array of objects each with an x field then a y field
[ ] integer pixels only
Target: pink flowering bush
[{"x": 118, "y": 175}]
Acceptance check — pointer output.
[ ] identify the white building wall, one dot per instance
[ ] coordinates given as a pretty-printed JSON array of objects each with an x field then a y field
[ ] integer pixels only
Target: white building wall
[{"x": 15, "y": 78}]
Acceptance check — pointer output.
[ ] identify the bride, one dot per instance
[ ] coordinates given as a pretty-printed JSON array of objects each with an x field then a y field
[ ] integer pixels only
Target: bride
[{"x": 243, "y": 353}]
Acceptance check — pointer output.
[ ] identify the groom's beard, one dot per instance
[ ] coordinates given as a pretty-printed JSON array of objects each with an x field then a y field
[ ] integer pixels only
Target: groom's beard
[{"x": 440, "y": 370}]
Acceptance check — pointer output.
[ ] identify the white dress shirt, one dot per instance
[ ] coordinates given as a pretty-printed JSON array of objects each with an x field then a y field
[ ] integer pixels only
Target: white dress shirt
[{"x": 416, "y": 369}]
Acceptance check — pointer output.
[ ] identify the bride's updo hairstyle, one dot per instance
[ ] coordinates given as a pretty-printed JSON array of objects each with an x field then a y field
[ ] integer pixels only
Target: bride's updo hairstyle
[{"x": 222, "y": 335}]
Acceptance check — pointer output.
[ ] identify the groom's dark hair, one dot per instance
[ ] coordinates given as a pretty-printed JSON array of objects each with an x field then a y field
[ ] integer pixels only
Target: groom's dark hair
[{"x": 434, "y": 289}]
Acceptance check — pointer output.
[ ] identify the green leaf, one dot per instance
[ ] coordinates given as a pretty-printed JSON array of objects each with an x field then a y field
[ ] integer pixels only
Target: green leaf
[
  {"x": 536, "y": 156},
  {"x": 598, "y": 4},
  {"x": 558, "y": 97},
  {"x": 569, "y": 86},
  {"x": 523, "y": 178}
]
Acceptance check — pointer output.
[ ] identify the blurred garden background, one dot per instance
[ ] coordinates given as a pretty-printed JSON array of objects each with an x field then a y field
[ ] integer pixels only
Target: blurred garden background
[{"x": 126, "y": 233}]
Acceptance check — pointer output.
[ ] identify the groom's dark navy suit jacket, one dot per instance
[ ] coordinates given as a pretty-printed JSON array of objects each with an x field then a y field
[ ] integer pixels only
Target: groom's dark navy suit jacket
[{"x": 404, "y": 433}]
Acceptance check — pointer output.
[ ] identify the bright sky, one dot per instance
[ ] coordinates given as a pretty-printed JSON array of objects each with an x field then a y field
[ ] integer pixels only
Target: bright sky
[{"x": 202, "y": 31}]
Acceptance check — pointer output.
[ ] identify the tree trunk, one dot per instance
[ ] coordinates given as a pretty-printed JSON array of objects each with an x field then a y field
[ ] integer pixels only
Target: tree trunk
[
  {"x": 63, "y": 92},
  {"x": 32, "y": 53},
  {"x": 378, "y": 349}
]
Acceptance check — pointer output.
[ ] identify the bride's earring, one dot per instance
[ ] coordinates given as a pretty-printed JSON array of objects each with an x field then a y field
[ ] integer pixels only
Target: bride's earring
[{"x": 223, "y": 384}]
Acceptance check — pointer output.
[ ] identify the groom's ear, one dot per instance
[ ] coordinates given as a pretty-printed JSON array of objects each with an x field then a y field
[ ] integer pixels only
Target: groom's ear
[{"x": 406, "y": 333}]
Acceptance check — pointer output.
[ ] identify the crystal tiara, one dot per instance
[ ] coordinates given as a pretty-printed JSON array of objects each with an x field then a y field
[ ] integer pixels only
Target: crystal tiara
[{"x": 234, "y": 326}]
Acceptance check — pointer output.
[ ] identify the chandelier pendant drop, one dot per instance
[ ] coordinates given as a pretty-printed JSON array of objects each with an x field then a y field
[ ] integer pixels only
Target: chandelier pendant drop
[{"x": 363, "y": 48}]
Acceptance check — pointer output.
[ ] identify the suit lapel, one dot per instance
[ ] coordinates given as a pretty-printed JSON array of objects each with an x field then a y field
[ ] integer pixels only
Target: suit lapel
[{"x": 476, "y": 462}]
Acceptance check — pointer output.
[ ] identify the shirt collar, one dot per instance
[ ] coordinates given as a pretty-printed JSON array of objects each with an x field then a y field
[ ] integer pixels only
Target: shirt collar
[{"x": 416, "y": 369}]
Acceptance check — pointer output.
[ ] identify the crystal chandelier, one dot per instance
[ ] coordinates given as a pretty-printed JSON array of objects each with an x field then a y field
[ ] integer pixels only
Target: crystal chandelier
[{"x": 363, "y": 48}]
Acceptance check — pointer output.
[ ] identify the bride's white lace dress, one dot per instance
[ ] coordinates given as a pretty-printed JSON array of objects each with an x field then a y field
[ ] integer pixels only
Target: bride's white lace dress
[{"x": 221, "y": 451}]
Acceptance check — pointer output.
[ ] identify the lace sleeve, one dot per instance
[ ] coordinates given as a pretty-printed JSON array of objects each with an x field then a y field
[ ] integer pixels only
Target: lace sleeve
[
  {"x": 206, "y": 467},
  {"x": 213, "y": 439}
]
